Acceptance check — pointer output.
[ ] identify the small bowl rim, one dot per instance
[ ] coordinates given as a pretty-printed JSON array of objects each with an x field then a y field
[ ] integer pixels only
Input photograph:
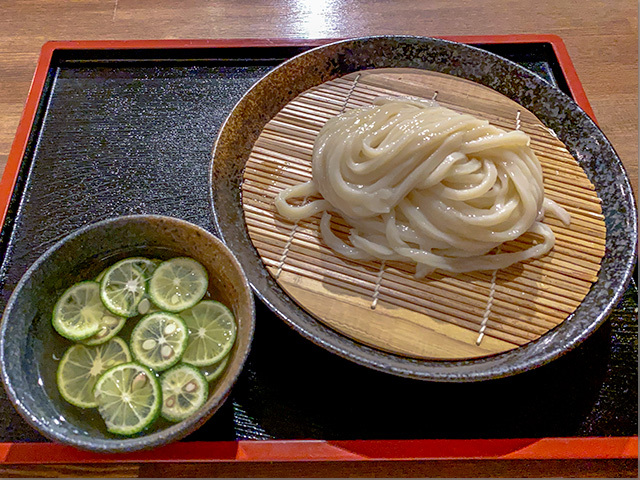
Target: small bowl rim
[{"x": 158, "y": 438}]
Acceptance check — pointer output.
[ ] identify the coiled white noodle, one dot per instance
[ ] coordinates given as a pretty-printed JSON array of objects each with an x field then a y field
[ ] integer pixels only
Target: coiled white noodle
[{"x": 420, "y": 183}]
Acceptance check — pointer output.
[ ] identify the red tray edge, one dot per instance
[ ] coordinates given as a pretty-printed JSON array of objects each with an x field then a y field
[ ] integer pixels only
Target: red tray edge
[
  {"x": 592, "y": 448},
  {"x": 299, "y": 450}
]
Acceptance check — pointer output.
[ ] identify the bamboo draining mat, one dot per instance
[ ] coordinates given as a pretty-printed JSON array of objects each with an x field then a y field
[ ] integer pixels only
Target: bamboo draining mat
[{"x": 382, "y": 305}]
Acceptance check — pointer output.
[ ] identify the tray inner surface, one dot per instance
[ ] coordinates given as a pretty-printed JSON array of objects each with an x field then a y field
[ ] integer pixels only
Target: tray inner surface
[
  {"x": 131, "y": 131},
  {"x": 438, "y": 317}
]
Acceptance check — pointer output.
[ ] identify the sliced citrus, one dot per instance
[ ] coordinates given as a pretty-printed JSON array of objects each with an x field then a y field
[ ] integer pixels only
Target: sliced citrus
[
  {"x": 82, "y": 365},
  {"x": 184, "y": 391},
  {"x": 101, "y": 275},
  {"x": 213, "y": 372},
  {"x": 123, "y": 286},
  {"x": 178, "y": 284},
  {"x": 77, "y": 313},
  {"x": 128, "y": 397},
  {"x": 159, "y": 340},
  {"x": 146, "y": 265},
  {"x": 110, "y": 326},
  {"x": 212, "y": 332}
]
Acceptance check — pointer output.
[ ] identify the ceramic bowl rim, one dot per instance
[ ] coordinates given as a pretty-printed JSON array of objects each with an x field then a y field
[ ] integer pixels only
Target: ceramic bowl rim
[{"x": 484, "y": 368}]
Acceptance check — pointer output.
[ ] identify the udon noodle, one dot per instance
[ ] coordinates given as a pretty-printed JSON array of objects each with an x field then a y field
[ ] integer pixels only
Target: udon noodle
[{"x": 423, "y": 184}]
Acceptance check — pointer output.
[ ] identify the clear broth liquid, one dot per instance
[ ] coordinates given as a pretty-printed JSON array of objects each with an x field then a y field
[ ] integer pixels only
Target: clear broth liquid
[{"x": 87, "y": 421}]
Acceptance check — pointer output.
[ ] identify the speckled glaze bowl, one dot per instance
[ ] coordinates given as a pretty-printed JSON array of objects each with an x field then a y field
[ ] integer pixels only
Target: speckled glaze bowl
[
  {"x": 583, "y": 138},
  {"x": 28, "y": 341}
]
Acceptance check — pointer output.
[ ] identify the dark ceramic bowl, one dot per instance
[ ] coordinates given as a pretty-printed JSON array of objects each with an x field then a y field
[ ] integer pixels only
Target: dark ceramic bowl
[
  {"x": 28, "y": 342},
  {"x": 583, "y": 138}
]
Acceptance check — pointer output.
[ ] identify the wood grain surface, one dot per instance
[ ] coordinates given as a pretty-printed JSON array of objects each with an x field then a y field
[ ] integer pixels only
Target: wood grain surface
[
  {"x": 602, "y": 40},
  {"x": 601, "y": 37}
]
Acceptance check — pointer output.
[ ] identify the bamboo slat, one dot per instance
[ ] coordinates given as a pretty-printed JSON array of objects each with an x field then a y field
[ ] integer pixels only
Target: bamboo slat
[{"x": 383, "y": 305}]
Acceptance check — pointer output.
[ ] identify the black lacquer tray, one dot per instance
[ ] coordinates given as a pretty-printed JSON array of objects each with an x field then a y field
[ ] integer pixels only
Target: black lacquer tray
[{"x": 130, "y": 130}]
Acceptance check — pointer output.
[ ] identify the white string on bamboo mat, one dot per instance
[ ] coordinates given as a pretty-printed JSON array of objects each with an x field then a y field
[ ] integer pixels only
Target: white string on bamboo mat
[
  {"x": 494, "y": 274},
  {"x": 378, "y": 284},
  {"x": 376, "y": 289},
  {"x": 294, "y": 229}
]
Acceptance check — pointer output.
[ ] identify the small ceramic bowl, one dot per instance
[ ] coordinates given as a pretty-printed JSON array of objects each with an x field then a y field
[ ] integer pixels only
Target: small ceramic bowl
[{"x": 29, "y": 346}]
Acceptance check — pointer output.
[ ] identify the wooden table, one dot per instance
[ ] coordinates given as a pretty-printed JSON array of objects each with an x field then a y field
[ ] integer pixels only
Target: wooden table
[{"x": 601, "y": 38}]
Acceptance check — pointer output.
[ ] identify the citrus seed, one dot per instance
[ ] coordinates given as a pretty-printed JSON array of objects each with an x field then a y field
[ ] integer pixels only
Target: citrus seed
[{"x": 166, "y": 352}]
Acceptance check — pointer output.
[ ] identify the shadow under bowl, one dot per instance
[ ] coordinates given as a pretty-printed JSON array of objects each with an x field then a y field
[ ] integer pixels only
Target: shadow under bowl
[{"x": 30, "y": 348}]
